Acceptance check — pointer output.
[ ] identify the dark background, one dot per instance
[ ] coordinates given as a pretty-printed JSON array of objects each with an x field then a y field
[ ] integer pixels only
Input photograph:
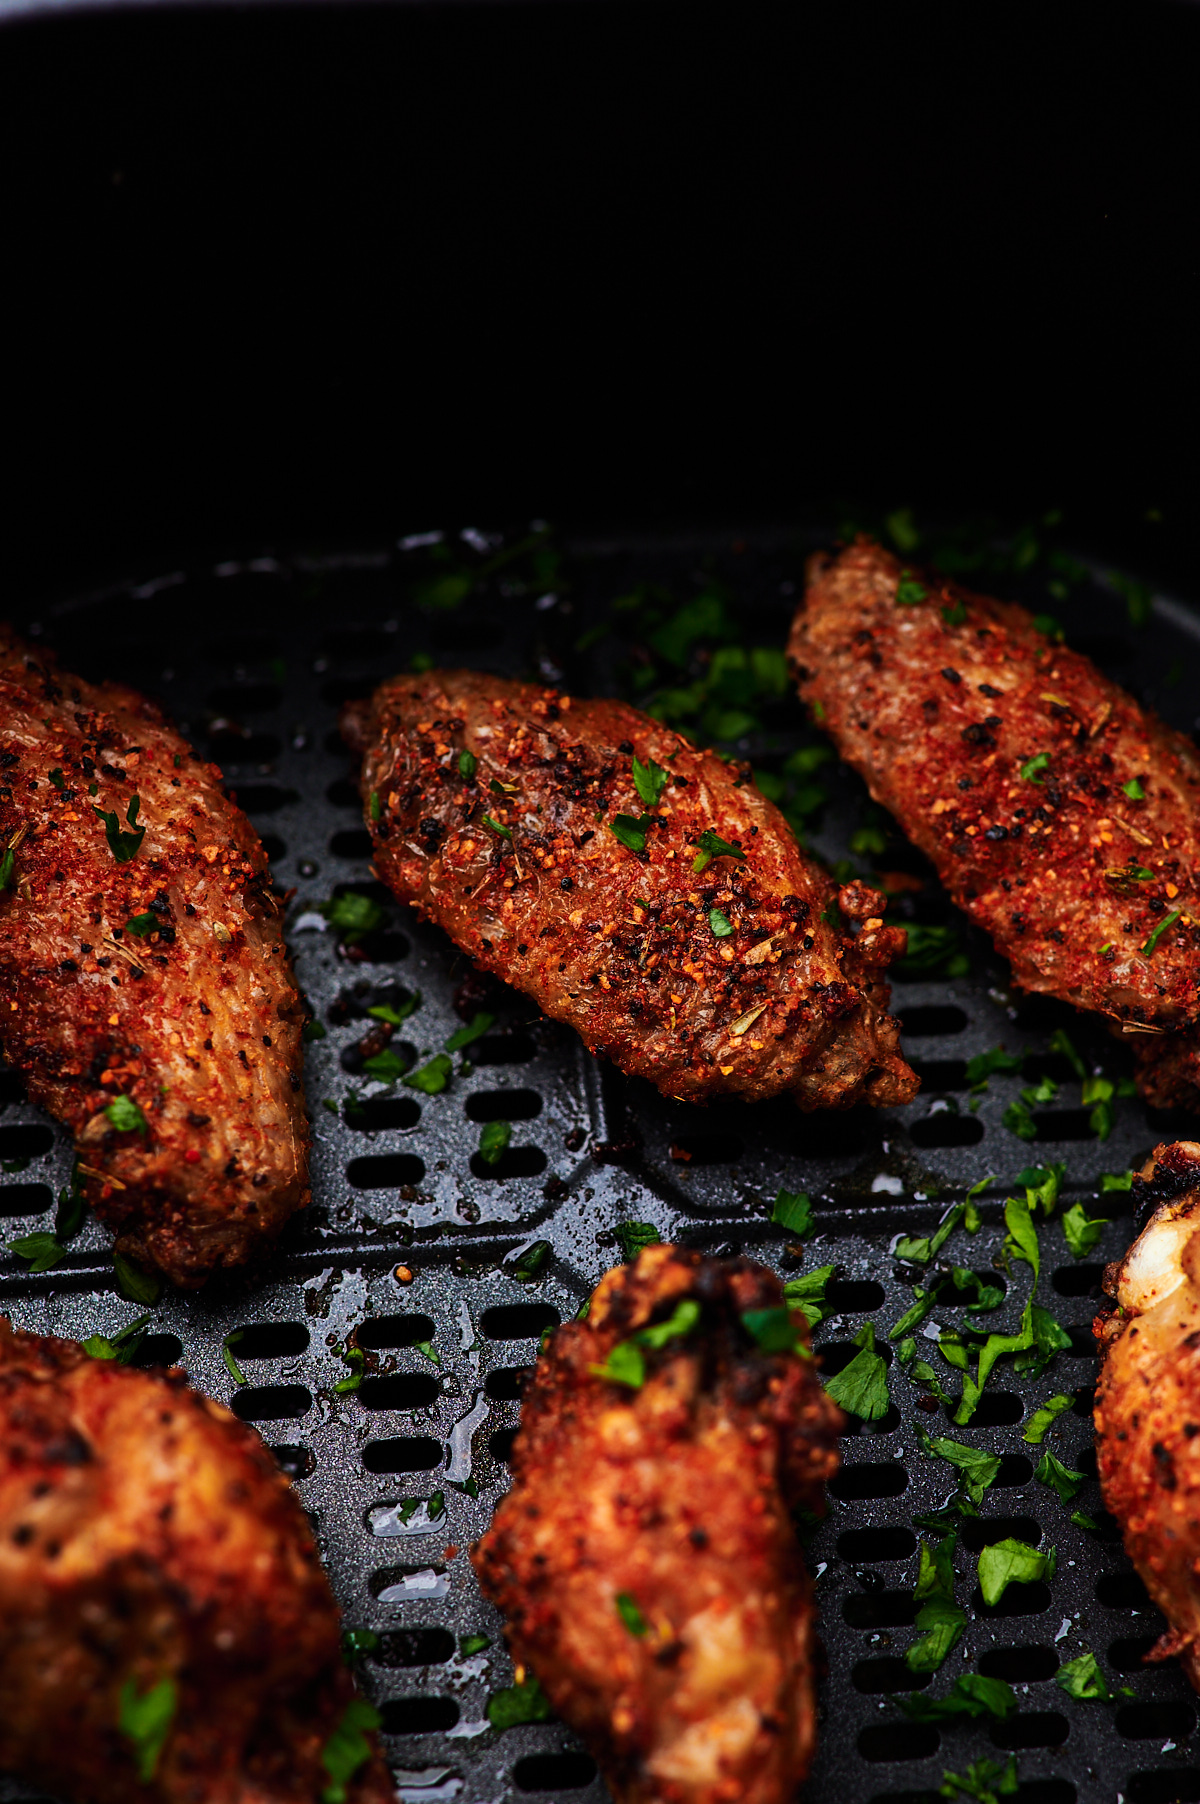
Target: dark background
[{"x": 286, "y": 276}]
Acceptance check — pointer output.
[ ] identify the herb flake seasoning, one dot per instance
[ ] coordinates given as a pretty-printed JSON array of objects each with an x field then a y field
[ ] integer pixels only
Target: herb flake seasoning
[
  {"x": 123, "y": 846},
  {"x": 1152, "y": 941},
  {"x": 710, "y": 845},
  {"x": 629, "y": 831}
]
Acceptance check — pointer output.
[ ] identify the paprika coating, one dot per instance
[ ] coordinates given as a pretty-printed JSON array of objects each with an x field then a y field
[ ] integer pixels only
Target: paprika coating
[
  {"x": 146, "y": 994},
  {"x": 1062, "y": 817},
  {"x": 645, "y": 1558},
  {"x": 678, "y": 927}
]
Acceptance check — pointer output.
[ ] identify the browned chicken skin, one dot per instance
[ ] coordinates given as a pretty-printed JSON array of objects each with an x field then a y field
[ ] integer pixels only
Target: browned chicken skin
[
  {"x": 147, "y": 1538},
  {"x": 1148, "y": 1397},
  {"x": 645, "y": 1558},
  {"x": 1061, "y": 816},
  {"x": 196, "y": 1018},
  {"x": 490, "y": 804}
]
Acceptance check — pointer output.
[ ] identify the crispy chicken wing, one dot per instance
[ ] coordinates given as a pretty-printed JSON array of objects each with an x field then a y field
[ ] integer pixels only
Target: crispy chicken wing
[
  {"x": 1061, "y": 816},
  {"x": 142, "y": 957},
  {"x": 645, "y": 1557},
  {"x": 1148, "y": 1397},
  {"x": 687, "y": 937},
  {"x": 169, "y": 1633}
]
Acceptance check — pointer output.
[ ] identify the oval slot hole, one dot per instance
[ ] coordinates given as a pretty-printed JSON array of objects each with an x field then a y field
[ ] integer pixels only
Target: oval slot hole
[
  {"x": 518, "y": 1321},
  {"x": 554, "y": 1772},
  {"x": 403, "y": 1453},
  {"x": 384, "y": 1331},
  {"x": 398, "y": 1390},
  {"x": 418, "y": 1716},
  {"x": 272, "y": 1403},
  {"x": 272, "y": 1340},
  {"x": 503, "y": 1105},
  {"x": 946, "y": 1129},
  {"x": 385, "y": 1171}
]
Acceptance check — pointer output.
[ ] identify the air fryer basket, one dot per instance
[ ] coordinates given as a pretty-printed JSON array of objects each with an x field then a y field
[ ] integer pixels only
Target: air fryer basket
[{"x": 253, "y": 659}]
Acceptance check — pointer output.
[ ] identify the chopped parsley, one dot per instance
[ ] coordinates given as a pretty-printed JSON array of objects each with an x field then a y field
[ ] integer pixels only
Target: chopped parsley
[
  {"x": 494, "y": 1140},
  {"x": 473, "y": 1644},
  {"x": 1063, "y": 1479},
  {"x": 1081, "y": 1231},
  {"x": 649, "y": 780},
  {"x": 433, "y": 1077},
  {"x": 42, "y": 1250},
  {"x": 861, "y": 1388},
  {"x": 926, "y": 1247},
  {"x": 630, "y": 832},
  {"x": 1043, "y": 1418},
  {"x": 525, "y": 1703},
  {"x": 792, "y": 1211},
  {"x": 8, "y": 870},
  {"x": 357, "y": 1643},
  {"x": 122, "y": 1347},
  {"x": 977, "y": 1468},
  {"x": 1083, "y": 1679},
  {"x": 231, "y": 1364},
  {"x": 630, "y": 1615},
  {"x": 909, "y": 591},
  {"x": 356, "y": 1359},
  {"x": 504, "y": 832},
  {"x": 931, "y": 952},
  {"x": 634, "y": 1235},
  {"x": 531, "y": 1263},
  {"x": 134, "y": 1283},
  {"x": 374, "y": 805},
  {"x": 1011, "y": 1562},
  {"x": 1032, "y": 768},
  {"x": 468, "y": 764},
  {"x": 972, "y": 1695},
  {"x": 124, "y": 1114},
  {"x": 58, "y": 780},
  {"x": 711, "y": 846},
  {"x": 123, "y": 846},
  {"x": 146, "y": 1722},
  {"x": 497, "y": 788},
  {"x": 141, "y": 925},
  {"x": 348, "y": 1748},
  {"x": 773, "y": 1330},
  {"x": 806, "y": 1294},
  {"x": 985, "y": 1781},
  {"x": 353, "y": 914},
  {"x": 626, "y": 1363},
  {"x": 396, "y": 1017},
  {"x": 720, "y": 923},
  {"x": 941, "y": 1622},
  {"x": 386, "y": 1066},
  {"x": 956, "y": 614},
  {"x": 1153, "y": 939},
  {"x": 1133, "y": 790},
  {"x": 480, "y": 1024}
]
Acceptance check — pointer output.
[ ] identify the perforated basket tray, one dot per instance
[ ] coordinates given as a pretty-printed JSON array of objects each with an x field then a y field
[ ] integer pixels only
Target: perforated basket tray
[{"x": 253, "y": 659}]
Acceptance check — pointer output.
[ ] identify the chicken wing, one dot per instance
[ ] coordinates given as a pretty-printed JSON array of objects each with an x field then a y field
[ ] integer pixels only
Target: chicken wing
[
  {"x": 645, "y": 1557},
  {"x": 1148, "y": 1397},
  {"x": 169, "y": 1633},
  {"x": 1062, "y": 817},
  {"x": 635, "y": 887},
  {"x": 145, "y": 991}
]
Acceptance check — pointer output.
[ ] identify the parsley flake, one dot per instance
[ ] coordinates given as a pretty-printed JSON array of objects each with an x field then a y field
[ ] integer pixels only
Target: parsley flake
[
  {"x": 649, "y": 779},
  {"x": 629, "y": 831},
  {"x": 1083, "y": 1679},
  {"x": 711, "y": 846},
  {"x": 634, "y": 1235},
  {"x": 348, "y": 1748},
  {"x": 972, "y": 1695},
  {"x": 123, "y": 846},
  {"x": 525, "y": 1703},
  {"x": 231, "y": 1364},
  {"x": 1051, "y": 1471},
  {"x": 42, "y": 1250},
  {"x": 141, "y": 925},
  {"x": 630, "y": 1615},
  {"x": 861, "y": 1387},
  {"x": 352, "y": 914},
  {"x": 504, "y": 832},
  {"x": 8, "y": 870},
  {"x": 494, "y": 1140},
  {"x": 386, "y": 1066},
  {"x": 792, "y": 1211},
  {"x": 468, "y": 764},
  {"x": 146, "y": 1722},
  {"x": 909, "y": 591},
  {"x": 1043, "y": 1418},
  {"x": 773, "y": 1330},
  {"x": 1082, "y": 1231},
  {"x": 1152, "y": 941},
  {"x": 432, "y": 1078},
  {"x": 374, "y": 805},
  {"x": 125, "y": 1116},
  {"x": 393, "y": 1015},
  {"x": 138, "y": 1285},
  {"x": 1011, "y": 1562},
  {"x": 985, "y": 1781},
  {"x": 720, "y": 923},
  {"x": 1031, "y": 770},
  {"x": 480, "y": 1024}
]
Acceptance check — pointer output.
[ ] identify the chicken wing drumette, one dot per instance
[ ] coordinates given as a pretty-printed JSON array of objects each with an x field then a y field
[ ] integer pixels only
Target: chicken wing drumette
[
  {"x": 1061, "y": 816},
  {"x": 169, "y": 1635},
  {"x": 688, "y": 937},
  {"x": 1148, "y": 1397},
  {"x": 142, "y": 957},
  {"x": 645, "y": 1557}
]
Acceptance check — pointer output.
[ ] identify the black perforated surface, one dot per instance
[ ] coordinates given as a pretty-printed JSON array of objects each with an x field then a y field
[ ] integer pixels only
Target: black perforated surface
[{"x": 255, "y": 658}]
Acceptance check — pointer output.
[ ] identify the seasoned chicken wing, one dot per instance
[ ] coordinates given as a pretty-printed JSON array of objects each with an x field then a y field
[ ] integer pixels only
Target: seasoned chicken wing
[
  {"x": 169, "y": 1635},
  {"x": 1062, "y": 817},
  {"x": 635, "y": 887},
  {"x": 645, "y": 1557},
  {"x": 1148, "y": 1397},
  {"x": 146, "y": 995}
]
